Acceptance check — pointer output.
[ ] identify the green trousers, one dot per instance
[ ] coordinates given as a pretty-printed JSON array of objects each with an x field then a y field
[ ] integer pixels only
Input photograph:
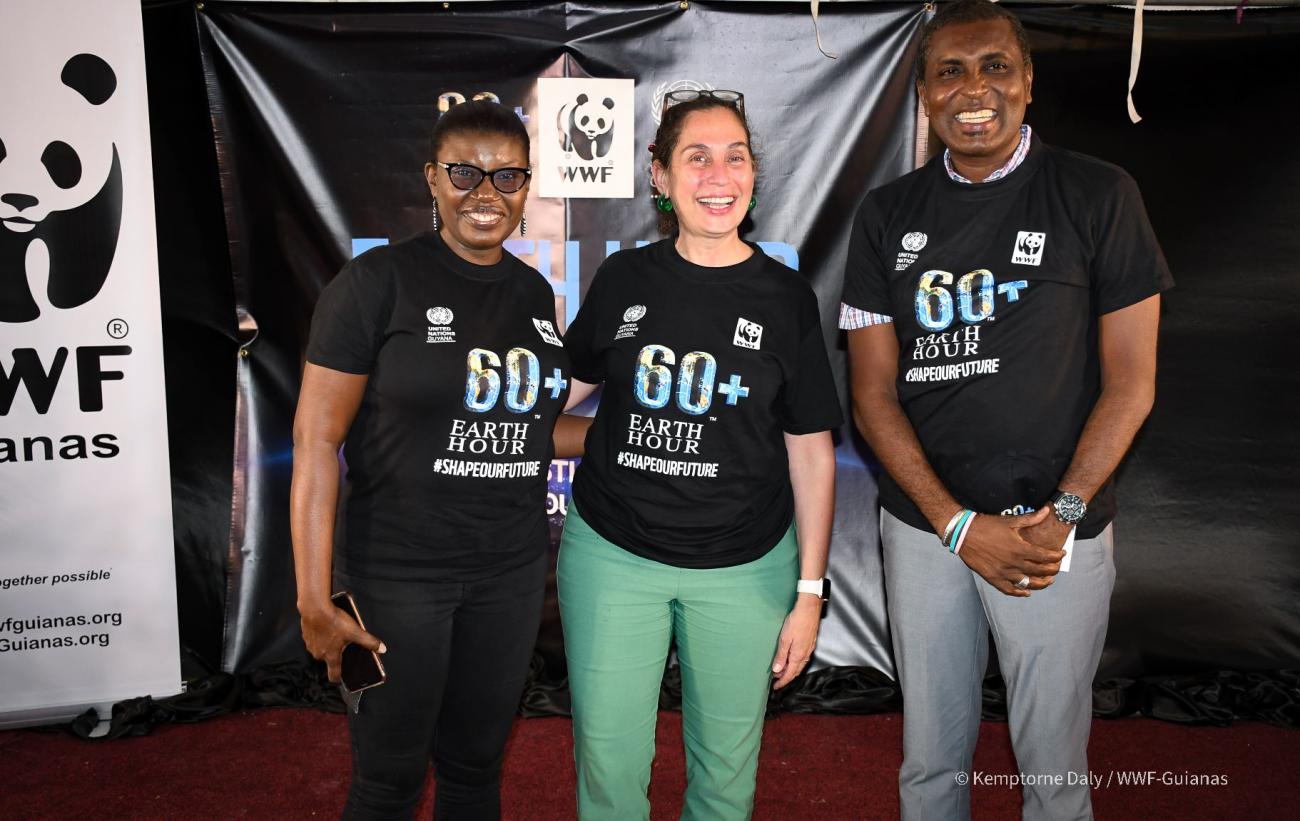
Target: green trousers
[{"x": 620, "y": 613}]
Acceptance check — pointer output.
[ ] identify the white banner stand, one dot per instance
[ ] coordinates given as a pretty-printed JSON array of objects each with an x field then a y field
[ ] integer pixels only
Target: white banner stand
[{"x": 87, "y": 570}]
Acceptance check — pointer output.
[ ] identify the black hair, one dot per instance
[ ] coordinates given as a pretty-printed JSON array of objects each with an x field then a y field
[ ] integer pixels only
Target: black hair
[
  {"x": 669, "y": 134},
  {"x": 969, "y": 11},
  {"x": 478, "y": 117}
]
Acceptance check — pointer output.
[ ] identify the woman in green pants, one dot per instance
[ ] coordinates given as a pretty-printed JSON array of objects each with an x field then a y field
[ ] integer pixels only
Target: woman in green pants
[{"x": 702, "y": 508}]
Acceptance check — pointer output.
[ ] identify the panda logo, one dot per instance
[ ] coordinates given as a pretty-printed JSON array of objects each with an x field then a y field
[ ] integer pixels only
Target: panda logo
[
  {"x": 749, "y": 334},
  {"x": 1029, "y": 248},
  {"x": 586, "y": 128},
  {"x": 60, "y": 192}
]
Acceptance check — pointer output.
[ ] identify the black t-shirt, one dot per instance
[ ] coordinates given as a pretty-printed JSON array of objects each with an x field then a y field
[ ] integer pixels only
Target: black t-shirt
[
  {"x": 448, "y": 454},
  {"x": 995, "y": 290},
  {"x": 704, "y": 370}
]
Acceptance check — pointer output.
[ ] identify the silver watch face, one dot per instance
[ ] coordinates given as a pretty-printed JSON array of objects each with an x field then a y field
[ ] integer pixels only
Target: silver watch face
[{"x": 1069, "y": 508}]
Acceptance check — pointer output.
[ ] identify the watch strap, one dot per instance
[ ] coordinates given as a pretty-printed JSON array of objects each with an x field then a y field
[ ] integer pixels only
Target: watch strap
[{"x": 821, "y": 588}]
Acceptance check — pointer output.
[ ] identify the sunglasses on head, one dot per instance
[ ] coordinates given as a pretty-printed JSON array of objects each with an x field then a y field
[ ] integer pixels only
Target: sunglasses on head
[
  {"x": 467, "y": 177},
  {"x": 684, "y": 95}
]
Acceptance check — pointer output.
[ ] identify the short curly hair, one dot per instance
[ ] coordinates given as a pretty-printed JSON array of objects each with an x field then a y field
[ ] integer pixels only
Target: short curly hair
[{"x": 968, "y": 11}]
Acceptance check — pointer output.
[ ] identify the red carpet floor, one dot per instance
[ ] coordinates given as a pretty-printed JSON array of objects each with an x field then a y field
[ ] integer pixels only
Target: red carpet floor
[{"x": 287, "y": 764}]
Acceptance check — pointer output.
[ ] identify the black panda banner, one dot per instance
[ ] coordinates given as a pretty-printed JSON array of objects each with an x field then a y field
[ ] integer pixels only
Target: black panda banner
[{"x": 87, "y": 586}]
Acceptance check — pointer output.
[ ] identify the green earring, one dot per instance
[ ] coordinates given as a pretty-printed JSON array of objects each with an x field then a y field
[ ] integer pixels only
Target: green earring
[
  {"x": 752, "y": 202},
  {"x": 664, "y": 204}
]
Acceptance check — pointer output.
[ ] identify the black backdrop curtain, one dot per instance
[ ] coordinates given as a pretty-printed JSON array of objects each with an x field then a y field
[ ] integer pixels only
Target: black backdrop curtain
[{"x": 320, "y": 114}]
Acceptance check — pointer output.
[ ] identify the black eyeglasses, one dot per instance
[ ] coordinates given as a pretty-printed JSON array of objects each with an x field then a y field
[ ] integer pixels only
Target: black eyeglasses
[
  {"x": 684, "y": 95},
  {"x": 467, "y": 177}
]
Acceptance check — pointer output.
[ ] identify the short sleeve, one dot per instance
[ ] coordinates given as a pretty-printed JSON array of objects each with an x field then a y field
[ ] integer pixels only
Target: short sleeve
[
  {"x": 579, "y": 338},
  {"x": 1128, "y": 265},
  {"x": 347, "y": 327},
  {"x": 809, "y": 402},
  {"x": 866, "y": 282}
]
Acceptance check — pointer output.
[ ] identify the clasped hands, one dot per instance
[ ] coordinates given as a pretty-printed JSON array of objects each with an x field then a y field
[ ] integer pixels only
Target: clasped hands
[{"x": 1007, "y": 549}]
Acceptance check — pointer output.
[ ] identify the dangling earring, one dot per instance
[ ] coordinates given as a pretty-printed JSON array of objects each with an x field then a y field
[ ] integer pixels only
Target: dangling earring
[
  {"x": 435, "y": 216},
  {"x": 523, "y": 223},
  {"x": 664, "y": 204},
  {"x": 752, "y": 202}
]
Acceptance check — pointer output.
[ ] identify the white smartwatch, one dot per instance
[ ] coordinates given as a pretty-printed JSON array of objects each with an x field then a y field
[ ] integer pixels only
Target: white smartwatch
[{"x": 821, "y": 588}]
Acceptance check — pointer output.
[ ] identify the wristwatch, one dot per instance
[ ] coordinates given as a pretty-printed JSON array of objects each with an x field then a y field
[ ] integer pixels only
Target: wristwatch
[
  {"x": 1070, "y": 509},
  {"x": 821, "y": 588}
]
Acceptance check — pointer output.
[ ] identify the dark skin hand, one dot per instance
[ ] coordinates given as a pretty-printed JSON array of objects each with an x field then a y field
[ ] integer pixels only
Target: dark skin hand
[
  {"x": 995, "y": 546},
  {"x": 1127, "y": 349},
  {"x": 1002, "y": 549},
  {"x": 327, "y": 404}
]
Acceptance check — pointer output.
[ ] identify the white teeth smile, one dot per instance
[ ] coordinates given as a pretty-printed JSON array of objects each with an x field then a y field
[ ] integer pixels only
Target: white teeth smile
[
  {"x": 716, "y": 202},
  {"x": 981, "y": 116},
  {"x": 483, "y": 217}
]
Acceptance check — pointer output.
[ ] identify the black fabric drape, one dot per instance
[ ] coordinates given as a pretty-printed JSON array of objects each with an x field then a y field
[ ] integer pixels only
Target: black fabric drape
[
  {"x": 199, "y": 334},
  {"x": 315, "y": 145},
  {"x": 1216, "y": 699},
  {"x": 1207, "y": 541}
]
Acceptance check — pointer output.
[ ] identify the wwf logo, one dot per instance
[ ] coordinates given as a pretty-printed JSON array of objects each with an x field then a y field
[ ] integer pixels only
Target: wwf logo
[
  {"x": 439, "y": 316},
  {"x": 1029, "y": 248},
  {"x": 748, "y": 334},
  {"x": 60, "y": 188},
  {"x": 547, "y": 331},
  {"x": 586, "y": 127}
]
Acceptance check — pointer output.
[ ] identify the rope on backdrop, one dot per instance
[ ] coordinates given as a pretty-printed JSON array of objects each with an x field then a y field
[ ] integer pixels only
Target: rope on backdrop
[
  {"x": 1135, "y": 57},
  {"x": 818, "y": 31}
]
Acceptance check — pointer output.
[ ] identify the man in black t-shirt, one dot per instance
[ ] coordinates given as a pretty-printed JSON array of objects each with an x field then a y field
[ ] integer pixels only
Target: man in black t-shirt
[{"x": 1002, "y": 305}]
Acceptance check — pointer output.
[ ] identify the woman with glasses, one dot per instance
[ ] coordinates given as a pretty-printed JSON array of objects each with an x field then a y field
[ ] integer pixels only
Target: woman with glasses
[
  {"x": 437, "y": 362},
  {"x": 710, "y": 444}
]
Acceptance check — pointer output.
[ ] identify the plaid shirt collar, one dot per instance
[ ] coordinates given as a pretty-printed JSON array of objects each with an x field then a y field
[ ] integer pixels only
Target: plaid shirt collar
[{"x": 1017, "y": 157}]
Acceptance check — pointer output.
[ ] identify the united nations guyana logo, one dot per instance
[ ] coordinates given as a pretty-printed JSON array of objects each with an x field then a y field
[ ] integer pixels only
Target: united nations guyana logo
[
  {"x": 657, "y": 100},
  {"x": 914, "y": 241},
  {"x": 440, "y": 316},
  {"x": 634, "y": 313}
]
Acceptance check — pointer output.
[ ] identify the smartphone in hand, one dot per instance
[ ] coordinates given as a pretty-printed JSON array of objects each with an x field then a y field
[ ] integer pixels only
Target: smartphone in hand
[{"x": 362, "y": 668}]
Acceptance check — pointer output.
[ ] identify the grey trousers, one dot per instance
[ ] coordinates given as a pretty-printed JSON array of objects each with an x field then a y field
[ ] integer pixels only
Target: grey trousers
[{"x": 1048, "y": 645}]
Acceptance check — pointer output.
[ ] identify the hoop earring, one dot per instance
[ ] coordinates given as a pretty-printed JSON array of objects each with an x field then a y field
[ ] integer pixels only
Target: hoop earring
[
  {"x": 664, "y": 204},
  {"x": 435, "y": 216},
  {"x": 752, "y": 202},
  {"x": 523, "y": 223}
]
